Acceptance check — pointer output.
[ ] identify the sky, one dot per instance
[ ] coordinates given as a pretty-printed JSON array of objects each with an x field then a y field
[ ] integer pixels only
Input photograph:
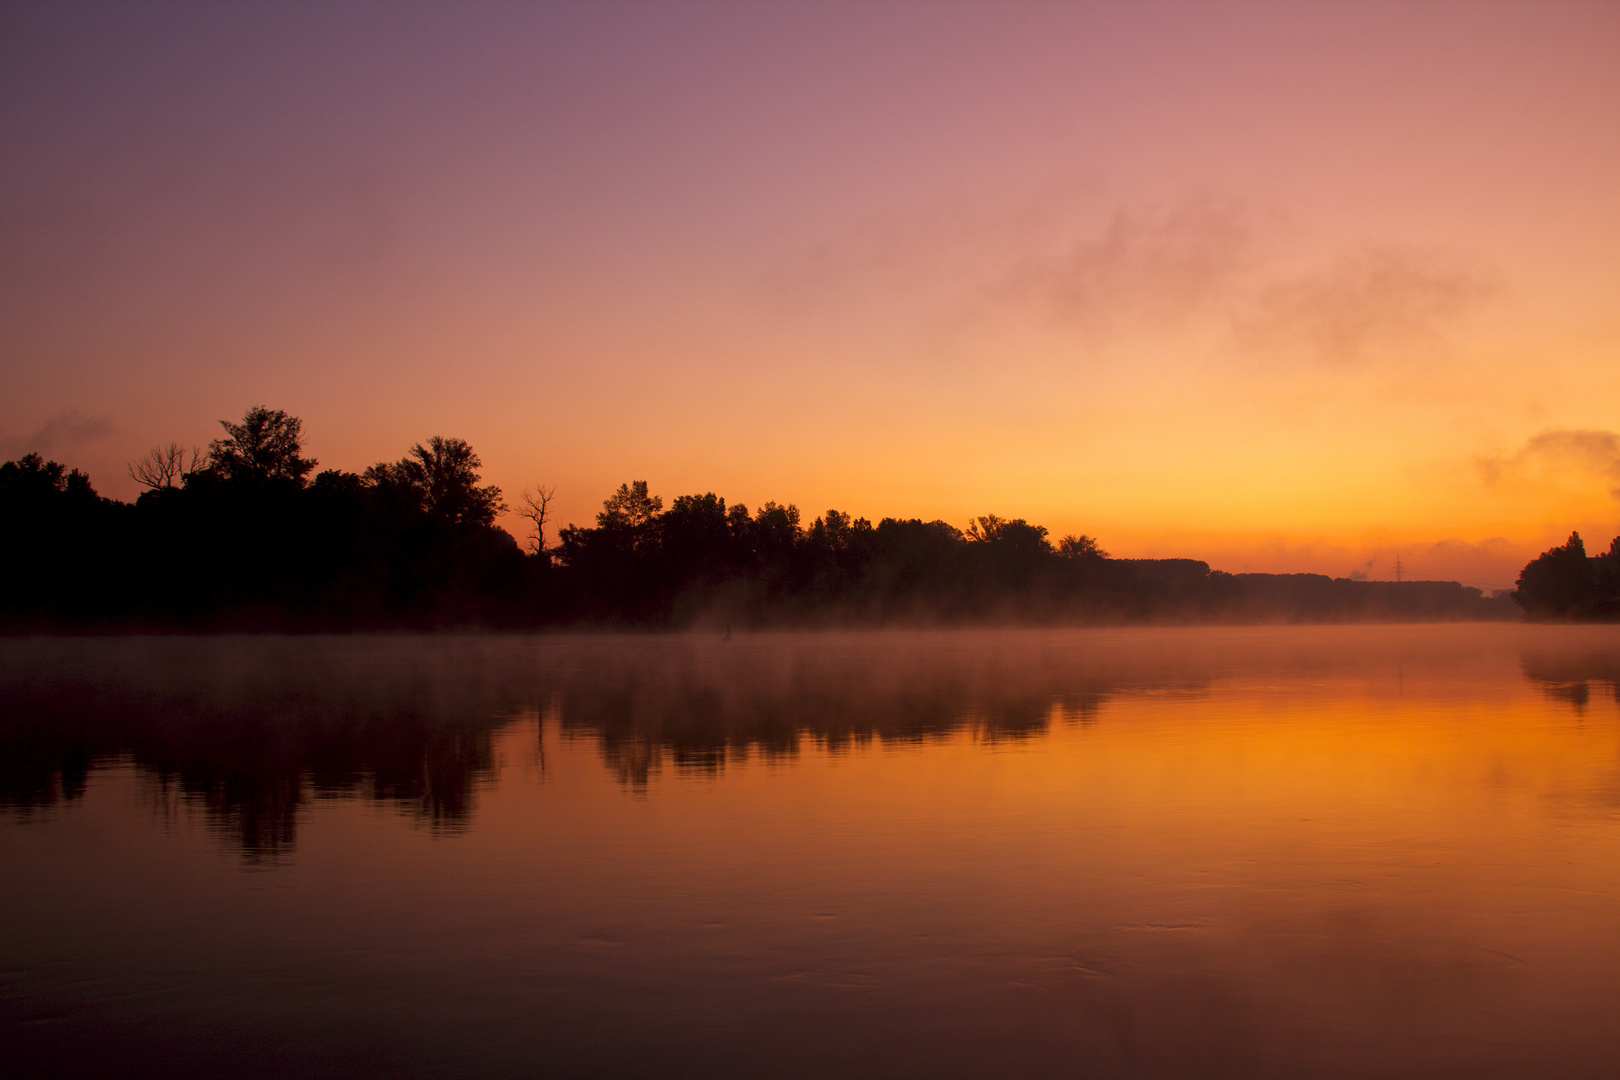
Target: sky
[{"x": 1284, "y": 287}]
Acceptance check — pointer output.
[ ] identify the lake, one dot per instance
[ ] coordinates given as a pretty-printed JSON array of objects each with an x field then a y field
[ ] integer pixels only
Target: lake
[{"x": 1193, "y": 852}]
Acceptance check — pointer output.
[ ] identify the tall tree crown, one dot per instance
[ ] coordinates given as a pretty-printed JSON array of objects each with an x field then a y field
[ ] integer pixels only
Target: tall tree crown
[
  {"x": 267, "y": 445},
  {"x": 630, "y": 507},
  {"x": 443, "y": 476}
]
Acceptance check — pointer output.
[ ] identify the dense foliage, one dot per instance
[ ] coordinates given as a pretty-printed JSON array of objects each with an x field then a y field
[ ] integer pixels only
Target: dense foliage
[
  {"x": 1564, "y": 583},
  {"x": 243, "y": 537}
]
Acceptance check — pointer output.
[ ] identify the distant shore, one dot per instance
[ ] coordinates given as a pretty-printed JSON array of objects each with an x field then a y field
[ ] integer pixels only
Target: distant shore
[{"x": 248, "y": 537}]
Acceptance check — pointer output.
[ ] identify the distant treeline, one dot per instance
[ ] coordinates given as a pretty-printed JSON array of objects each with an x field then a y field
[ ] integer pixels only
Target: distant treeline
[{"x": 242, "y": 536}]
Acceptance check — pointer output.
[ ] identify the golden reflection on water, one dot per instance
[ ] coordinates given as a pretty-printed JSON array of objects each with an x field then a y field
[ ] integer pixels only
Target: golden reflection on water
[{"x": 1359, "y": 852}]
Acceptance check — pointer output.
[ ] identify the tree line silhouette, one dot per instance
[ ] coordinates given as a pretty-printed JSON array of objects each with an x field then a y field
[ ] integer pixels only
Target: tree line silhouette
[
  {"x": 248, "y": 536},
  {"x": 1565, "y": 583}
]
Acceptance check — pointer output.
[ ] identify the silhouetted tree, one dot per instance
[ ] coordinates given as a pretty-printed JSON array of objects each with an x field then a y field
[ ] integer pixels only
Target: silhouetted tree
[
  {"x": 267, "y": 445},
  {"x": 1557, "y": 581},
  {"x": 776, "y": 529},
  {"x": 1606, "y": 584},
  {"x": 443, "y": 476},
  {"x": 60, "y": 555},
  {"x": 837, "y": 530},
  {"x": 696, "y": 535},
  {"x": 984, "y": 529},
  {"x": 630, "y": 507},
  {"x": 163, "y": 465},
  {"x": 629, "y": 517},
  {"x": 31, "y": 477},
  {"x": 535, "y": 506},
  {"x": 1080, "y": 547},
  {"x": 1016, "y": 533}
]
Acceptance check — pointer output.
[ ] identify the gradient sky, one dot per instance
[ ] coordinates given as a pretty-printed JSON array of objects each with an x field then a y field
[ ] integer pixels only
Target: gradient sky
[{"x": 1281, "y": 286}]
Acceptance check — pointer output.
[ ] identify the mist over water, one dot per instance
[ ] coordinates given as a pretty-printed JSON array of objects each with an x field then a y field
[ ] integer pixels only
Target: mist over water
[{"x": 1273, "y": 851}]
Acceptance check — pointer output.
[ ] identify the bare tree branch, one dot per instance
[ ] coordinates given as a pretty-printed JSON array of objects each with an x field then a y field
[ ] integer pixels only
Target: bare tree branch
[
  {"x": 534, "y": 505},
  {"x": 162, "y": 466}
]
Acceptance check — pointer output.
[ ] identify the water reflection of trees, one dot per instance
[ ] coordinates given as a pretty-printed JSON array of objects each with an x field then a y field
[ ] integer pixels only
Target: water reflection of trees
[
  {"x": 1571, "y": 676},
  {"x": 696, "y": 708},
  {"x": 250, "y": 731},
  {"x": 248, "y": 771}
]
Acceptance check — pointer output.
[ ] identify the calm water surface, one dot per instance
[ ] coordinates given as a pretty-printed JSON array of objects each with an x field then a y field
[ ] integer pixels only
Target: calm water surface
[{"x": 1279, "y": 852}]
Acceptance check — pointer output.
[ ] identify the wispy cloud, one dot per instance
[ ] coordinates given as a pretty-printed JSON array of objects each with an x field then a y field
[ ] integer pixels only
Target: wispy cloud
[
  {"x": 1210, "y": 263},
  {"x": 1159, "y": 266},
  {"x": 1374, "y": 299},
  {"x": 64, "y": 431},
  {"x": 1556, "y": 454}
]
